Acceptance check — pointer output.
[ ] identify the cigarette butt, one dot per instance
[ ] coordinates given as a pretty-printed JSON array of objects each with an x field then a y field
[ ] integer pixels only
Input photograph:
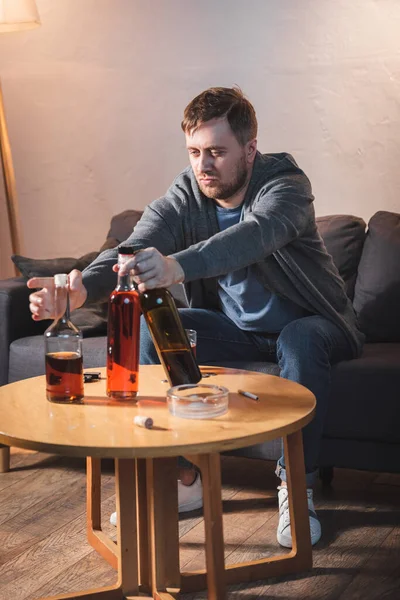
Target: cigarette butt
[
  {"x": 146, "y": 422},
  {"x": 248, "y": 395}
]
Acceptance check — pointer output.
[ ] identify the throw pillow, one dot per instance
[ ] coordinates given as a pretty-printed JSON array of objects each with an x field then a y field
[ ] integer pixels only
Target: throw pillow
[
  {"x": 47, "y": 267},
  {"x": 121, "y": 228},
  {"x": 34, "y": 267},
  {"x": 377, "y": 290},
  {"x": 344, "y": 237}
]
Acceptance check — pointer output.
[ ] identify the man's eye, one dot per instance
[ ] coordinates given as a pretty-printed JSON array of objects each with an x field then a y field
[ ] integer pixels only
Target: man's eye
[
  {"x": 193, "y": 152},
  {"x": 217, "y": 153}
]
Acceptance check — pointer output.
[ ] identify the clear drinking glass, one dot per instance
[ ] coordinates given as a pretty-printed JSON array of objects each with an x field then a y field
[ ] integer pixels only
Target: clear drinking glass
[{"x": 192, "y": 337}]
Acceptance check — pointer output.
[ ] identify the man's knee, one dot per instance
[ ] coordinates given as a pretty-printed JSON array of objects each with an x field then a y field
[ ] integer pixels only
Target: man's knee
[{"x": 303, "y": 339}]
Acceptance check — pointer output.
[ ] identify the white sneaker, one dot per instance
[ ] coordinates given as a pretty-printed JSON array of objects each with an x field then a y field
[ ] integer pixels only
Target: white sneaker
[
  {"x": 284, "y": 535},
  {"x": 190, "y": 497}
]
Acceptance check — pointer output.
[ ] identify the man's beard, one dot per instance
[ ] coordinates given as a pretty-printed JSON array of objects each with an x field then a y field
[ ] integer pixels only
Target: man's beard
[{"x": 223, "y": 191}]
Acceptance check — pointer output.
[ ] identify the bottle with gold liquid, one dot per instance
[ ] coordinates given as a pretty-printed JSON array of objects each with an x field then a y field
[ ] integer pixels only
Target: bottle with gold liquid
[
  {"x": 123, "y": 335},
  {"x": 169, "y": 337},
  {"x": 63, "y": 351}
]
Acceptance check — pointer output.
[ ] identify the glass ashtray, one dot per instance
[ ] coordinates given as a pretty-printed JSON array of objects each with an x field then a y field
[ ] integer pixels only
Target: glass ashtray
[{"x": 197, "y": 401}]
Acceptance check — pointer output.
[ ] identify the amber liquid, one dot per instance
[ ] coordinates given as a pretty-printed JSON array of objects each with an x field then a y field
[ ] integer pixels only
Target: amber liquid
[
  {"x": 179, "y": 366},
  {"x": 64, "y": 377},
  {"x": 123, "y": 345}
]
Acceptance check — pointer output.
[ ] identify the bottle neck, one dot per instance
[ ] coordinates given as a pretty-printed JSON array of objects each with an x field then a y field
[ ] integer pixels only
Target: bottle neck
[
  {"x": 125, "y": 282},
  {"x": 62, "y": 304},
  {"x": 67, "y": 314}
]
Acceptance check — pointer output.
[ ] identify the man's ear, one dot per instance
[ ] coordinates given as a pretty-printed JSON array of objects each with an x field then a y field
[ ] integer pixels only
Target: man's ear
[{"x": 251, "y": 149}]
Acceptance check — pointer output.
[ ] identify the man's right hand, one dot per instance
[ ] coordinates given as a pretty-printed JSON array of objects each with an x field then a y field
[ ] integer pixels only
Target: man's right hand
[{"x": 41, "y": 303}]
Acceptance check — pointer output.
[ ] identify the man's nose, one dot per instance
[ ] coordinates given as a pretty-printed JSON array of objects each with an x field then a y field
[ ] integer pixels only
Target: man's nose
[{"x": 204, "y": 163}]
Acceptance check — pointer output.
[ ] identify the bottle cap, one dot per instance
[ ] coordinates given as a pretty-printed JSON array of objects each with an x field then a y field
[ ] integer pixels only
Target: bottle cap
[
  {"x": 126, "y": 250},
  {"x": 60, "y": 280}
]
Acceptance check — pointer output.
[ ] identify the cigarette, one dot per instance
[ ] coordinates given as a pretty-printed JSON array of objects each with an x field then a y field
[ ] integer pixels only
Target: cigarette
[
  {"x": 146, "y": 422},
  {"x": 248, "y": 395}
]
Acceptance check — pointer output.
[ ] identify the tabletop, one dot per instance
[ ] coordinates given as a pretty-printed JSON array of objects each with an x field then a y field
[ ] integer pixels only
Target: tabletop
[{"x": 102, "y": 427}]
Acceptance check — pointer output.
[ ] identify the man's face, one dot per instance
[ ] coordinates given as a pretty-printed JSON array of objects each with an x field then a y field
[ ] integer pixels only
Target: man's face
[{"x": 221, "y": 165}]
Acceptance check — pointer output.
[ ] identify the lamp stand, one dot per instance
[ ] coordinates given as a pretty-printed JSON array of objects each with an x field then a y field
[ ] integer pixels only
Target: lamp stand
[{"x": 9, "y": 183}]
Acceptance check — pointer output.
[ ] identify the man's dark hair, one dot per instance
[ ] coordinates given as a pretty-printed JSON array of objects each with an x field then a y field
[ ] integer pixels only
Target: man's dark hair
[{"x": 219, "y": 102}]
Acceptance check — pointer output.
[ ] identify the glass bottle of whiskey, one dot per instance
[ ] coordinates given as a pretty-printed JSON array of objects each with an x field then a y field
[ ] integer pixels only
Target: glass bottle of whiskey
[
  {"x": 63, "y": 350},
  {"x": 169, "y": 336},
  {"x": 123, "y": 335}
]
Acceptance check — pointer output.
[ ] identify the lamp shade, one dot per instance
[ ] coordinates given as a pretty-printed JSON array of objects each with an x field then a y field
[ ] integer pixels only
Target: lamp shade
[{"x": 16, "y": 15}]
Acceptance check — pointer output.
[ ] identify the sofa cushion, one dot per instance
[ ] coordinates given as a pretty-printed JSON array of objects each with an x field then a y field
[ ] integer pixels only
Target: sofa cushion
[
  {"x": 377, "y": 290},
  {"x": 365, "y": 398},
  {"x": 121, "y": 228},
  {"x": 344, "y": 237}
]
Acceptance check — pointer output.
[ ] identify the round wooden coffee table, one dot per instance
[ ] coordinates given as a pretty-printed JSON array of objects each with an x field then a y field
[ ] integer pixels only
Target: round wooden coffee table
[{"x": 147, "y": 550}]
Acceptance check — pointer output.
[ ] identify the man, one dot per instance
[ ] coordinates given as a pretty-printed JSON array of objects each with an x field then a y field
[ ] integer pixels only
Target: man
[{"x": 238, "y": 229}]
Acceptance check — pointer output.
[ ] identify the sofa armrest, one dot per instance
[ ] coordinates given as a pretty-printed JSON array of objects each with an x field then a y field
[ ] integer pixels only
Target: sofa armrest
[{"x": 15, "y": 319}]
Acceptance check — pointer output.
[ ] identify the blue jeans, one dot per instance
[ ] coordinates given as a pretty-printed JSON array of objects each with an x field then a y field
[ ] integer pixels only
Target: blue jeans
[{"x": 304, "y": 350}]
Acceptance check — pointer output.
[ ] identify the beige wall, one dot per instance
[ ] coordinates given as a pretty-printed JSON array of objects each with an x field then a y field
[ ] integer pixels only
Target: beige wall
[{"x": 94, "y": 99}]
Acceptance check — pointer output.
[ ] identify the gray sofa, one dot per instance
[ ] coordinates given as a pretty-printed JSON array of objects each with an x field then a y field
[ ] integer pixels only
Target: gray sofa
[{"x": 363, "y": 423}]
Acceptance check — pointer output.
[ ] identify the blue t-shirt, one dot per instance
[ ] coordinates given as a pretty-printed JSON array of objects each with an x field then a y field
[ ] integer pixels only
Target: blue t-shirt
[{"x": 243, "y": 297}]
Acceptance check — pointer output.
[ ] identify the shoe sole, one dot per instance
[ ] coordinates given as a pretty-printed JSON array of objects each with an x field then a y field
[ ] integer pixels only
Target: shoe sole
[
  {"x": 194, "y": 505},
  {"x": 286, "y": 542}
]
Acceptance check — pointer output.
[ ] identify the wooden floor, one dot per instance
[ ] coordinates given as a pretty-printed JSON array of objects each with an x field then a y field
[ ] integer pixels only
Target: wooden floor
[{"x": 43, "y": 548}]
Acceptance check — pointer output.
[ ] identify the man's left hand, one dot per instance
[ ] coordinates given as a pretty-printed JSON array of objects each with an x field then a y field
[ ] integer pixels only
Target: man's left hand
[{"x": 153, "y": 270}]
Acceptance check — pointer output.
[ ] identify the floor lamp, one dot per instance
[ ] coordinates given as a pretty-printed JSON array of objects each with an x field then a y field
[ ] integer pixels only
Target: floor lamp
[{"x": 15, "y": 15}]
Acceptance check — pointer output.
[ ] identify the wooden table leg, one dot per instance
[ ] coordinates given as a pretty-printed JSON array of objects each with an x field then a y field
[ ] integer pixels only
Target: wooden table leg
[
  {"x": 210, "y": 467},
  {"x": 96, "y": 537},
  {"x": 4, "y": 458},
  {"x": 105, "y": 546},
  {"x": 128, "y": 568},
  {"x": 298, "y": 507},
  {"x": 143, "y": 526},
  {"x": 300, "y": 557},
  {"x": 93, "y": 492},
  {"x": 126, "y": 550},
  {"x": 163, "y": 526}
]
